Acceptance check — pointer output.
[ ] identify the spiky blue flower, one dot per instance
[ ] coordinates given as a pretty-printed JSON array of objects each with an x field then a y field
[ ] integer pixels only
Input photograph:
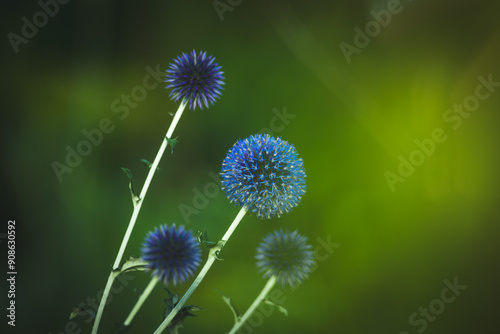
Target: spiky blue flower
[
  {"x": 195, "y": 79},
  {"x": 173, "y": 254},
  {"x": 286, "y": 255},
  {"x": 265, "y": 174}
]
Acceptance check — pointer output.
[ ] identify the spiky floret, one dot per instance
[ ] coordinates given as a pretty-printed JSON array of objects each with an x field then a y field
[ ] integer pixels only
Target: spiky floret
[
  {"x": 195, "y": 79},
  {"x": 265, "y": 174},
  {"x": 286, "y": 255},
  {"x": 173, "y": 254}
]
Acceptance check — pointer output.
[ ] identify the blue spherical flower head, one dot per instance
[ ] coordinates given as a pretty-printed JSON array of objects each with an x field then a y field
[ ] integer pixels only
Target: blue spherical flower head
[
  {"x": 195, "y": 79},
  {"x": 173, "y": 254},
  {"x": 285, "y": 255},
  {"x": 264, "y": 174}
]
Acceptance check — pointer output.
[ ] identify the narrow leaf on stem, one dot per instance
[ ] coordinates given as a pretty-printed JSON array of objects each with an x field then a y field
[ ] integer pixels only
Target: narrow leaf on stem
[
  {"x": 229, "y": 303},
  {"x": 204, "y": 240},
  {"x": 132, "y": 264},
  {"x": 128, "y": 173},
  {"x": 172, "y": 142},
  {"x": 278, "y": 306}
]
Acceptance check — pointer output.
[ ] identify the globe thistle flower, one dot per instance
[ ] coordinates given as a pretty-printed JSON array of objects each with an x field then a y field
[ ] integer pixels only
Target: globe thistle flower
[
  {"x": 264, "y": 174},
  {"x": 173, "y": 254},
  {"x": 195, "y": 79},
  {"x": 285, "y": 255}
]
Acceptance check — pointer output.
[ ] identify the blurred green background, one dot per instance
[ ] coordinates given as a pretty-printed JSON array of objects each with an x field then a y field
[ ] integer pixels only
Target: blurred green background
[{"x": 350, "y": 122}]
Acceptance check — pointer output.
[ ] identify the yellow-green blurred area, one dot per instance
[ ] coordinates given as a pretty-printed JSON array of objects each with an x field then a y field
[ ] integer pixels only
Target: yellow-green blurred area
[{"x": 401, "y": 228}]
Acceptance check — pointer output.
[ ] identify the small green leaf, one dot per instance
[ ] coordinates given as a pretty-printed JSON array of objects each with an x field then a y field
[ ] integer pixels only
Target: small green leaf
[
  {"x": 76, "y": 311},
  {"x": 183, "y": 313},
  {"x": 128, "y": 173},
  {"x": 170, "y": 302},
  {"x": 203, "y": 239},
  {"x": 278, "y": 306},
  {"x": 148, "y": 163},
  {"x": 172, "y": 142},
  {"x": 229, "y": 303},
  {"x": 132, "y": 264}
]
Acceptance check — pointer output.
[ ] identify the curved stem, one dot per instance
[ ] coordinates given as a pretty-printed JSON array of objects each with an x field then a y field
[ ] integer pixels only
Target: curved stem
[
  {"x": 212, "y": 256},
  {"x": 141, "y": 300},
  {"x": 135, "y": 214},
  {"x": 269, "y": 285},
  {"x": 145, "y": 188}
]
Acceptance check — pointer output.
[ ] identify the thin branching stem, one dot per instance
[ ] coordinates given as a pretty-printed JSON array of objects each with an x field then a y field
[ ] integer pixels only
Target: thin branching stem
[{"x": 135, "y": 214}]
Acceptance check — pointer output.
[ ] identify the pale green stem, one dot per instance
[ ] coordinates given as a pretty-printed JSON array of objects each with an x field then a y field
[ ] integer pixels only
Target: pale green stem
[
  {"x": 141, "y": 300},
  {"x": 267, "y": 288},
  {"x": 135, "y": 214},
  {"x": 212, "y": 256}
]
